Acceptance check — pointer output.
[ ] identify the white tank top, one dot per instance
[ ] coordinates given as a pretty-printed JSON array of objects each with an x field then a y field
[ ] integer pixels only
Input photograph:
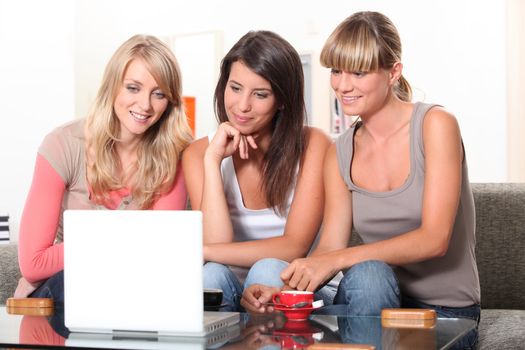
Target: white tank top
[{"x": 249, "y": 224}]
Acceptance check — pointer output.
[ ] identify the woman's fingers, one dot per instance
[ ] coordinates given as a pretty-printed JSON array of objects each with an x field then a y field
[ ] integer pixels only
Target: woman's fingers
[
  {"x": 246, "y": 142},
  {"x": 303, "y": 283},
  {"x": 287, "y": 273},
  {"x": 224, "y": 142},
  {"x": 295, "y": 278},
  {"x": 251, "y": 141},
  {"x": 229, "y": 139},
  {"x": 298, "y": 275},
  {"x": 234, "y": 135},
  {"x": 256, "y": 296},
  {"x": 243, "y": 148}
]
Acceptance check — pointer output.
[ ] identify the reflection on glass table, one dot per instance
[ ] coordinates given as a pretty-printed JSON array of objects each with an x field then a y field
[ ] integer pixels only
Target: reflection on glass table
[{"x": 253, "y": 332}]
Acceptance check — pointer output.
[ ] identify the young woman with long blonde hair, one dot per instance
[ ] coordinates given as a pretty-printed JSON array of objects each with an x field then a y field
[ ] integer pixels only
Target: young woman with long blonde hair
[{"x": 124, "y": 155}]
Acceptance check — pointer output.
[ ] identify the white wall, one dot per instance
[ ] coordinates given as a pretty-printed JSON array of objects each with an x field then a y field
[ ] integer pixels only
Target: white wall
[
  {"x": 53, "y": 54},
  {"x": 454, "y": 53},
  {"x": 516, "y": 90},
  {"x": 36, "y": 89}
]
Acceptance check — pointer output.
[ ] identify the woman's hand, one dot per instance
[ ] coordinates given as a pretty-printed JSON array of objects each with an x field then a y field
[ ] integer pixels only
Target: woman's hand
[
  {"x": 25, "y": 288},
  {"x": 256, "y": 296},
  {"x": 227, "y": 141},
  {"x": 309, "y": 273},
  {"x": 255, "y": 336},
  {"x": 257, "y": 340}
]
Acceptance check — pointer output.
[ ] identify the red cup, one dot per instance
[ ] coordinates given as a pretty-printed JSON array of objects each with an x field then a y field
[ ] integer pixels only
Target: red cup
[
  {"x": 295, "y": 341},
  {"x": 289, "y": 298}
]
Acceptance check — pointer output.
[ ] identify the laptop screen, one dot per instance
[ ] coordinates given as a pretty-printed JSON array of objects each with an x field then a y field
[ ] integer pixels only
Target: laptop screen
[{"x": 133, "y": 270}]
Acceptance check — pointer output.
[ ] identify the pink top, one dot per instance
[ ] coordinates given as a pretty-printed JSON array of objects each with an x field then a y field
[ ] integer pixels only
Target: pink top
[{"x": 59, "y": 183}]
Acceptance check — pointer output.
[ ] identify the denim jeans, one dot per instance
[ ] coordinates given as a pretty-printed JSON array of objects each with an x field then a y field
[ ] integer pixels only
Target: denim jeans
[
  {"x": 469, "y": 340},
  {"x": 265, "y": 271},
  {"x": 370, "y": 286},
  {"x": 52, "y": 288},
  {"x": 365, "y": 290}
]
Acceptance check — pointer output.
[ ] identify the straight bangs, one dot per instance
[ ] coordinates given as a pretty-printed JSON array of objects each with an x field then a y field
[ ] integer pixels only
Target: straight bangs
[{"x": 354, "y": 50}]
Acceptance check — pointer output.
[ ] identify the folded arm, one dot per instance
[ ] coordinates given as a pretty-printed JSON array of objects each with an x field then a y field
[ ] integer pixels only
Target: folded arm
[
  {"x": 303, "y": 220},
  {"x": 202, "y": 173}
]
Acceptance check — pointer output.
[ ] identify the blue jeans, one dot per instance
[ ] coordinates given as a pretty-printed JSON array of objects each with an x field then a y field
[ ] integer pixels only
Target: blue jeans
[
  {"x": 365, "y": 290},
  {"x": 52, "y": 288},
  {"x": 265, "y": 271},
  {"x": 469, "y": 340},
  {"x": 370, "y": 286}
]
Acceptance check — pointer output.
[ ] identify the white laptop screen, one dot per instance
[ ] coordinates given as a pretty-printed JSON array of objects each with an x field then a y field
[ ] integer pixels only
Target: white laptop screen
[{"x": 132, "y": 270}]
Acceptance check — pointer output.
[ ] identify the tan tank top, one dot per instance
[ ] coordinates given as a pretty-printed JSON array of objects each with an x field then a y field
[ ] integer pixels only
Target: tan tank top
[
  {"x": 451, "y": 280},
  {"x": 64, "y": 149}
]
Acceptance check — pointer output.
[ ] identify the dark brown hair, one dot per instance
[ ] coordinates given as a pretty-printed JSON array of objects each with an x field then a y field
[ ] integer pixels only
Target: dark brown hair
[{"x": 273, "y": 58}]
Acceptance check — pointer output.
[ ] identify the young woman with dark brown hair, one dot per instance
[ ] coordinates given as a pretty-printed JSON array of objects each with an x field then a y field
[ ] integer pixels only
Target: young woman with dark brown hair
[{"x": 258, "y": 179}]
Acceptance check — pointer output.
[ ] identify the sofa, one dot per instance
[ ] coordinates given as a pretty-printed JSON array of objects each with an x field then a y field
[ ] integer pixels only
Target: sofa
[{"x": 500, "y": 254}]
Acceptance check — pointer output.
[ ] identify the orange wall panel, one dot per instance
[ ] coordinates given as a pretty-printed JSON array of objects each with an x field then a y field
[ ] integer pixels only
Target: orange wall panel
[{"x": 189, "y": 104}]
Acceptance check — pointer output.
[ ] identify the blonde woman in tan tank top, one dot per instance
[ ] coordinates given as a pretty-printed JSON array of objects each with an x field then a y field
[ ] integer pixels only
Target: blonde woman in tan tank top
[
  {"x": 124, "y": 155},
  {"x": 399, "y": 178}
]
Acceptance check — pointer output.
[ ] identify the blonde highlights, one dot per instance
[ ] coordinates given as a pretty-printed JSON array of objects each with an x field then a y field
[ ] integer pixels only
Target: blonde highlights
[
  {"x": 366, "y": 42},
  {"x": 162, "y": 144}
]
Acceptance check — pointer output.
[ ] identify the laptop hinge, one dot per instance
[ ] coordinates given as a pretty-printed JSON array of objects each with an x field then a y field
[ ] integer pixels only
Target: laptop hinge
[{"x": 119, "y": 334}]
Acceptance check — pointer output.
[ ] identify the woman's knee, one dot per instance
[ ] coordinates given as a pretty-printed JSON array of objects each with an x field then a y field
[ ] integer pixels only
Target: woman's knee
[
  {"x": 371, "y": 275},
  {"x": 269, "y": 264},
  {"x": 266, "y": 271},
  {"x": 368, "y": 287},
  {"x": 52, "y": 288},
  {"x": 216, "y": 275},
  {"x": 219, "y": 276}
]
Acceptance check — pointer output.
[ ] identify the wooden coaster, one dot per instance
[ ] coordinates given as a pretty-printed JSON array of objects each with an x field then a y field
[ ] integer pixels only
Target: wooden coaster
[
  {"x": 408, "y": 318},
  {"x": 30, "y": 311},
  {"x": 30, "y": 306},
  {"x": 30, "y": 302},
  {"x": 333, "y": 346}
]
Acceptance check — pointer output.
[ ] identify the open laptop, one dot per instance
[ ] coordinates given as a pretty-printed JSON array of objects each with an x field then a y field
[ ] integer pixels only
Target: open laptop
[
  {"x": 136, "y": 271},
  {"x": 147, "y": 341}
]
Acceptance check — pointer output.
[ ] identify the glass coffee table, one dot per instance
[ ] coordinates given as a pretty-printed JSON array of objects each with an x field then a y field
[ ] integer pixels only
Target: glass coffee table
[{"x": 253, "y": 332}]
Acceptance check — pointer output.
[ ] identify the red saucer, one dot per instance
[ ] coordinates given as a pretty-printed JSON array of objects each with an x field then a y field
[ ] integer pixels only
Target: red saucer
[
  {"x": 297, "y": 314},
  {"x": 293, "y": 327},
  {"x": 297, "y": 334}
]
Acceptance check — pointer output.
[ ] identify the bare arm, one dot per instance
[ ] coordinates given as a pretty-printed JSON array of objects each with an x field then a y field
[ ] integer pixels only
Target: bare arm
[
  {"x": 202, "y": 172},
  {"x": 303, "y": 221},
  {"x": 308, "y": 273},
  {"x": 217, "y": 223},
  {"x": 194, "y": 174},
  {"x": 443, "y": 163},
  {"x": 337, "y": 219},
  {"x": 304, "y": 217}
]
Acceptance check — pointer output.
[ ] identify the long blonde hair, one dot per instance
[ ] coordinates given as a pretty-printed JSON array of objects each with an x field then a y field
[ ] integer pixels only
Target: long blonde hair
[
  {"x": 162, "y": 144},
  {"x": 366, "y": 41}
]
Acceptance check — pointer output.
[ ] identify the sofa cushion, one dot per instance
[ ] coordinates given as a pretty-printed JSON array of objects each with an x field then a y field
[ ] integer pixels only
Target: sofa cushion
[
  {"x": 9, "y": 271},
  {"x": 501, "y": 329},
  {"x": 500, "y": 244}
]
